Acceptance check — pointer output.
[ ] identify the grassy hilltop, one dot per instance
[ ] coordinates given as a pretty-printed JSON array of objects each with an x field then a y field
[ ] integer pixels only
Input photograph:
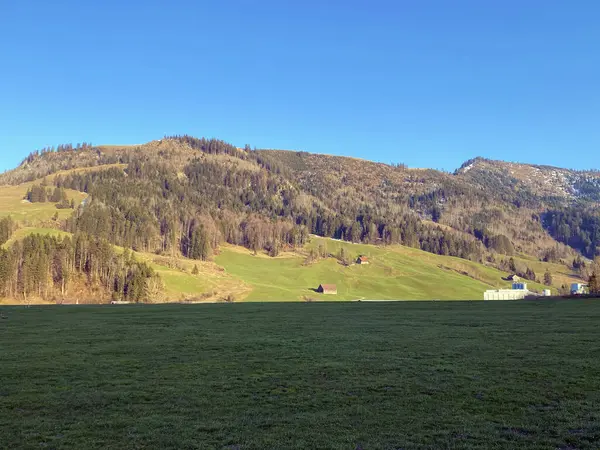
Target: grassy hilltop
[{"x": 499, "y": 375}]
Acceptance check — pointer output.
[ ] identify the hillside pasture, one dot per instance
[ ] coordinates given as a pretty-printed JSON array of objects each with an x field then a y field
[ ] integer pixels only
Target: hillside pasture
[
  {"x": 12, "y": 201},
  {"x": 561, "y": 274},
  {"x": 395, "y": 273},
  {"x": 211, "y": 284},
  {"x": 12, "y": 204}
]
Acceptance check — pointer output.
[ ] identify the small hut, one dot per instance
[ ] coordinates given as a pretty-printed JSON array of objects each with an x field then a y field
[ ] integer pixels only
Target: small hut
[
  {"x": 327, "y": 289},
  {"x": 362, "y": 260}
]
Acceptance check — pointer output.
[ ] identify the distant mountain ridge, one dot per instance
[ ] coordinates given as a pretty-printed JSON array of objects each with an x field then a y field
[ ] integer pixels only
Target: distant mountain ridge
[
  {"x": 472, "y": 213},
  {"x": 543, "y": 180}
]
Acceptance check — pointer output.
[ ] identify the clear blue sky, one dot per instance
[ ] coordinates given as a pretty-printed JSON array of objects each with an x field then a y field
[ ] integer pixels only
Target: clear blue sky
[{"x": 425, "y": 82}]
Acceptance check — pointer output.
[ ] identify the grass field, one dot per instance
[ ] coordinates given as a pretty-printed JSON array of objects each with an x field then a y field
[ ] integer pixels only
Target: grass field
[
  {"x": 211, "y": 284},
  {"x": 394, "y": 272},
  {"x": 410, "y": 375},
  {"x": 29, "y": 214},
  {"x": 561, "y": 274}
]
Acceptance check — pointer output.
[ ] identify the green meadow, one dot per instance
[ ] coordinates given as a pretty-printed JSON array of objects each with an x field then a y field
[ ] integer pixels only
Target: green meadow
[
  {"x": 353, "y": 375},
  {"x": 32, "y": 214},
  {"x": 393, "y": 273}
]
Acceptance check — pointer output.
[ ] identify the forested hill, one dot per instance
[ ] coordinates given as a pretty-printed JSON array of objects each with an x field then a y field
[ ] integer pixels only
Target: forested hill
[{"x": 185, "y": 196}]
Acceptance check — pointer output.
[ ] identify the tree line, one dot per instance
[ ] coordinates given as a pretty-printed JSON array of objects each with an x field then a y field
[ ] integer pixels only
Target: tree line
[
  {"x": 594, "y": 283},
  {"x": 47, "y": 266},
  {"x": 577, "y": 227},
  {"x": 58, "y": 149},
  {"x": 7, "y": 227},
  {"x": 39, "y": 193}
]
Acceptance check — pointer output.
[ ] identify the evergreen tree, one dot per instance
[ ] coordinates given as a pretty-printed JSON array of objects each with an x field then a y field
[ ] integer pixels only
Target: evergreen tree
[
  {"x": 41, "y": 264},
  {"x": 6, "y": 229},
  {"x": 530, "y": 274},
  {"x": 56, "y": 195},
  {"x": 594, "y": 284},
  {"x": 356, "y": 232},
  {"x": 195, "y": 270},
  {"x": 548, "y": 278}
]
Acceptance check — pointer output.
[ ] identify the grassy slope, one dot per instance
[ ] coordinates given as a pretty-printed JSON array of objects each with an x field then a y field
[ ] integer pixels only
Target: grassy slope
[
  {"x": 561, "y": 275},
  {"x": 501, "y": 375},
  {"x": 211, "y": 284},
  {"x": 12, "y": 204},
  {"x": 31, "y": 214},
  {"x": 394, "y": 273}
]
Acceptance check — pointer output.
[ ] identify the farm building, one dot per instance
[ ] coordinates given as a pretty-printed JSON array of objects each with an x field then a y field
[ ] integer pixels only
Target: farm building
[
  {"x": 578, "y": 289},
  {"x": 518, "y": 292},
  {"x": 327, "y": 289},
  {"x": 362, "y": 260},
  {"x": 505, "y": 294},
  {"x": 513, "y": 278},
  {"x": 546, "y": 293}
]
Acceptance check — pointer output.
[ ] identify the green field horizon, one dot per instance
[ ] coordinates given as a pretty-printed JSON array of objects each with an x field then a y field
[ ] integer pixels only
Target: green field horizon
[{"x": 336, "y": 375}]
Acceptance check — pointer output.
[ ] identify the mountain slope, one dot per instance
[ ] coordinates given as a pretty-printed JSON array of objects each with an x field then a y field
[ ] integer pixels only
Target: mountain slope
[
  {"x": 186, "y": 197},
  {"x": 544, "y": 182}
]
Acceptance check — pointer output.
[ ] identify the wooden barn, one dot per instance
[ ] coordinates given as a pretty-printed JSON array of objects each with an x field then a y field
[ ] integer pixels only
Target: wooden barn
[{"x": 327, "y": 289}]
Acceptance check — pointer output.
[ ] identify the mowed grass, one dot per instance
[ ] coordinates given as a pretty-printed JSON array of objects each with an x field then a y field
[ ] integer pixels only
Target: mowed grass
[
  {"x": 410, "y": 375},
  {"x": 394, "y": 273}
]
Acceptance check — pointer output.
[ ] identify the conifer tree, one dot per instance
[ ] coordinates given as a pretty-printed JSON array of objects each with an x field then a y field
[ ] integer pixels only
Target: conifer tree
[
  {"x": 548, "y": 278},
  {"x": 594, "y": 283}
]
